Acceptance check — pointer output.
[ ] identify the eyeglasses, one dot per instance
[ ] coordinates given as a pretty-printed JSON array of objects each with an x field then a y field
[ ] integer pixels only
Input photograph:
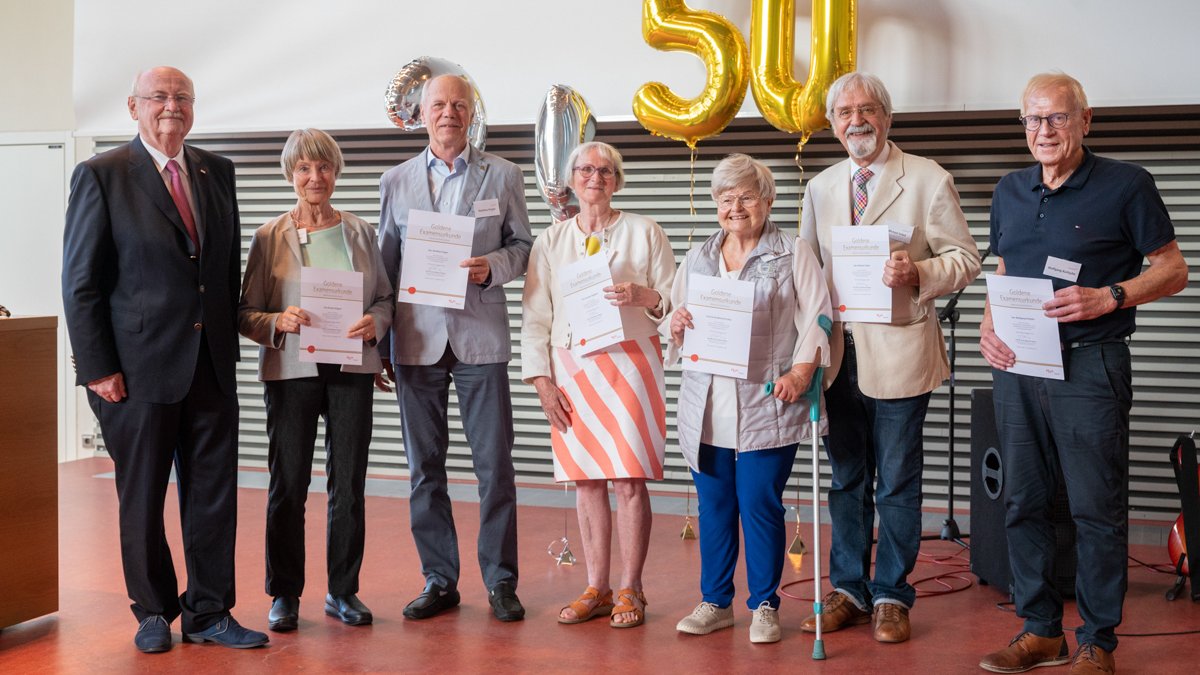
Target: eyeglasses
[
  {"x": 747, "y": 201},
  {"x": 183, "y": 100},
  {"x": 1034, "y": 122},
  {"x": 864, "y": 110},
  {"x": 587, "y": 171}
]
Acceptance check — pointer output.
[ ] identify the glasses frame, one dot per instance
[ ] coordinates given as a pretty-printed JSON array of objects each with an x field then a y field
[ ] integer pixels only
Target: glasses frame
[
  {"x": 866, "y": 111},
  {"x": 1026, "y": 120},
  {"x": 587, "y": 171},
  {"x": 182, "y": 100},
  {"x": 746, "y": 201}
]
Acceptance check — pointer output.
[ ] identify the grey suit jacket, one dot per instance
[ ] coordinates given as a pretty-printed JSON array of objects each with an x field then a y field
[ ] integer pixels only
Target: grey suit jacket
[
  {"x": 478, "y": 333},
  {"x": 272, "y": 283},
  {"x": 908, "y": 356}
]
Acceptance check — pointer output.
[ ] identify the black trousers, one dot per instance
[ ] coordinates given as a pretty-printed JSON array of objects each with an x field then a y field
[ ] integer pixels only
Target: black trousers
[
  {"x": 197, "y": 435},
  {"x": 343, "y": 400}
]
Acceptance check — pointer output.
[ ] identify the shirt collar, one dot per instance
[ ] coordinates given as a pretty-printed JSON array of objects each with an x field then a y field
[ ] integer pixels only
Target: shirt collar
[
  {"x": 160, "y": 159},
  {"x": 460, "y": 161},
  {"x": 1075, "y": 181}
]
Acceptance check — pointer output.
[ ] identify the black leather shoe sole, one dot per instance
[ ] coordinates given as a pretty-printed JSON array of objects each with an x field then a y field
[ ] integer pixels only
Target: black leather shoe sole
[
  {"x": 284, "y": 625},
  {"x": 427, "y": 605}
]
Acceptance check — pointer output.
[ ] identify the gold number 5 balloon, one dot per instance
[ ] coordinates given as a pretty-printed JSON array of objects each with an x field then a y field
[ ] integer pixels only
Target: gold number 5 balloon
[
  {"x": 788, "y": 105},
  {"x": 670, "y": 25}
]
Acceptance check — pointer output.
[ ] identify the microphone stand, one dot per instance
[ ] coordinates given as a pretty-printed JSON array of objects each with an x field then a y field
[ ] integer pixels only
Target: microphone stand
[{"x": 950, "y": 531}]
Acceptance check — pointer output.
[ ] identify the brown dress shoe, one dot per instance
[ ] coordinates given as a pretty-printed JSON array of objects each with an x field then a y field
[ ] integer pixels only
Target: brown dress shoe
[
  {"x": 891, "y": 622},
  {"x": 1092, "y": 660},
  {"x": 1026, "y": 652},
  {"x": 837, "y": 612}
]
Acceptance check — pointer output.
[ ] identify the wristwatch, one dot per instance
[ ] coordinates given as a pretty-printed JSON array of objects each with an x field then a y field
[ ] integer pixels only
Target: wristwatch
[{"x": 1118, "y": 294}]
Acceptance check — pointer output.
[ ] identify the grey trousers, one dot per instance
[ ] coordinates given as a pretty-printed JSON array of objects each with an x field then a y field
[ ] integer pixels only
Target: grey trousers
[{"x": 486, "y": 407}]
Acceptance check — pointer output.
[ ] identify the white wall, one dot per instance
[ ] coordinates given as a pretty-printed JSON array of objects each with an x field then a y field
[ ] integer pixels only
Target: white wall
[
  {"x": 35, "y": 82},
  {"x": 280, "y": 65}
]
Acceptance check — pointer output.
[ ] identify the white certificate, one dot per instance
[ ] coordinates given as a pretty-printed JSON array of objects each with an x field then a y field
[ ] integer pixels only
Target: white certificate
[
  {"x": 595, "y": 322},
  {"x": 1019, "y": 320},
  {"x": 333, "y": 300},
  {"x": 722, "y": 311},
  {"x": 858, "y": 293},
  {"x": 434, "y": 245}
]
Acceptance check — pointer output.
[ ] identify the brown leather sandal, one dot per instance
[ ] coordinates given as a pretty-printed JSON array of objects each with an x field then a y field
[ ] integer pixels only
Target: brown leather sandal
[
  {"x": 628, "y": 604},
  {"x": 584, "y": 608}
]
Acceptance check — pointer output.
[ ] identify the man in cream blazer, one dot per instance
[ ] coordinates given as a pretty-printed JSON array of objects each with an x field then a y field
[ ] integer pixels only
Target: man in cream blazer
[
  {"x": 881, "y": 374},
  {"x": 432, "y": 346}
]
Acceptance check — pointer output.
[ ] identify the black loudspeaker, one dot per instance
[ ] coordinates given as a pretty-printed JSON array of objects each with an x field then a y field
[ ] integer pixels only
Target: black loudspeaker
[{"x": 989, "y": 543}]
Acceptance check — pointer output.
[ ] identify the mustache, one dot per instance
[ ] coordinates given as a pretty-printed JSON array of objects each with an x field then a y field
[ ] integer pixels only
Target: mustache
[
  {"x": 860, "y": 129},
  {"x": 168, "y": 115}
]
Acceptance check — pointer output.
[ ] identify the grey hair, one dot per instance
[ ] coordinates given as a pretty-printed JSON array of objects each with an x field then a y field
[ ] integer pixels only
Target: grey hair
[
  {"x": 738, "y": 170},
  {"x": 604, "y": 150},
  {"x": 858, "y": 79},
  {"x": 1055, "y": 80},
  {"x": 462, "y": 78},
  {"x": 312, "y": 144},
  {"x": 133, "y": 90}
]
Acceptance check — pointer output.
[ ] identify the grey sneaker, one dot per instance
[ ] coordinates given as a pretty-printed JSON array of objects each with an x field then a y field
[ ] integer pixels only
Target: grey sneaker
[
  {"x": 705, "y": 619},
  {"x": 764, "y": 627}
]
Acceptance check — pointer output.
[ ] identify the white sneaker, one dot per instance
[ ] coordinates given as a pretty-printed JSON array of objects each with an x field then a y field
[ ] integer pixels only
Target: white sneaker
[
  {"x": 764, "y": 627},
  {"x": 705, "y": 619}
]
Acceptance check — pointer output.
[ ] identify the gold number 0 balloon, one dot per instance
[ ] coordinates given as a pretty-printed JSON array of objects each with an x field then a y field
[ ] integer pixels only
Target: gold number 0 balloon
[
  {"x": 785, "y": 103},
  {"x": 670, "y": 25}
]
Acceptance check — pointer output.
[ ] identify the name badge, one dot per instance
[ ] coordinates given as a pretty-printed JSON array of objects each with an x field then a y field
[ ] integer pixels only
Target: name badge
[
  {"x": 900, "y": 232},
  {"x": 487, "y": 207},
  {"x": 303, "y": 232},
  {"x": 1062, "y": 269}
]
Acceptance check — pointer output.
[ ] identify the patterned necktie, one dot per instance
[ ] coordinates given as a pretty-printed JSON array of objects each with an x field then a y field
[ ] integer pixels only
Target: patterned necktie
[
  {"x": 860, "y": 194},
  {"x": 181, "y": 203}
]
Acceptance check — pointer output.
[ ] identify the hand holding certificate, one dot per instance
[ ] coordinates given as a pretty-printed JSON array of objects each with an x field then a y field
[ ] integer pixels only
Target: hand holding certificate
[
  {"x": 858, "y": 293},
  {"x": 333, "y": 301},
  {"x": 1015, "y": 304},
  {"x": 595, "y": 322},
  {"x": 434, "y": 246},
  {"x": 722, "y": 311}
]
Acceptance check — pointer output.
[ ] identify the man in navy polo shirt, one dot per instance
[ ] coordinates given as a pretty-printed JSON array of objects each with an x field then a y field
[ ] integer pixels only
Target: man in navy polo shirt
[{"x": 1100, "y": 218}]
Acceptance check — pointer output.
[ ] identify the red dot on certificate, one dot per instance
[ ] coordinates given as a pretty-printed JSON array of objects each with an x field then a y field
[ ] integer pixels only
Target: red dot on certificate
[
  {"x": 412, "y": 290},
  {"x": 582, "y": 341},
  {"x": 312, "y": 349},
  {"x": 695, "y": 357},
  {"x": 841, "y": 308}
]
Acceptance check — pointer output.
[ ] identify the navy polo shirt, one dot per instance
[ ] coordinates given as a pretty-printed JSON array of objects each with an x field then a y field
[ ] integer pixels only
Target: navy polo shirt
[{"x": 1107, "y": 216}]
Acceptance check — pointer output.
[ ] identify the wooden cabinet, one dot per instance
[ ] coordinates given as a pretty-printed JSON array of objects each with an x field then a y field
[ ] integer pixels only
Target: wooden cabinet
[{"x": 28, "y": 468}]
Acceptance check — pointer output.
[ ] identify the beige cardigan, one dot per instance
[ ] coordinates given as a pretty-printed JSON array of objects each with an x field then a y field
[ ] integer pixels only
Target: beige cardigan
[
  {"x": 639, "y": 251},
  {"x": 272, "y": 283}
]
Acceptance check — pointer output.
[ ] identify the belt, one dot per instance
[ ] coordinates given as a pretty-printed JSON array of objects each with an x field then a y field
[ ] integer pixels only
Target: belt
[{"x": 1080, "y": 344}]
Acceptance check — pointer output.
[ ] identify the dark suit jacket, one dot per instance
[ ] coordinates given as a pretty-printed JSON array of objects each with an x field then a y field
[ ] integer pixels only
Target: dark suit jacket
[{"x": 137, "y": 300}]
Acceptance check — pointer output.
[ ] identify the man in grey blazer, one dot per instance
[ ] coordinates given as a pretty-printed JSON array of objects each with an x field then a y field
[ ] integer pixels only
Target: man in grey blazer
[
  {"x": 432, "y": 346},
  {"x": 881, "y": 375}
]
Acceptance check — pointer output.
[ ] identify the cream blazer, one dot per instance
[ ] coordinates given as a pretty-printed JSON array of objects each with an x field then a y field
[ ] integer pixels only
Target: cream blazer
[
  {"x": 272, "y": 282},
  {"x": 908, "y": 356},
  {"x": 638, "y": 250}
]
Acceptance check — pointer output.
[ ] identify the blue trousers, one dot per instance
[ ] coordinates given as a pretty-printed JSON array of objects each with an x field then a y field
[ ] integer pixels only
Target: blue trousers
[
  {"x": 748, "y": 485},
  {"x": 876, "y": 451},
  {"x": 1081, "y": 425}
]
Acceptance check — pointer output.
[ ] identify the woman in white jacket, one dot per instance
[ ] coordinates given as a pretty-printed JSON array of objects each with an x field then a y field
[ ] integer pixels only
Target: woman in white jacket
[{"x": 606, "y": 407}]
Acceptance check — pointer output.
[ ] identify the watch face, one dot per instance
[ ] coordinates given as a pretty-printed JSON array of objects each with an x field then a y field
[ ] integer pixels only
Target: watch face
[{"x": 1118, "y": 293}]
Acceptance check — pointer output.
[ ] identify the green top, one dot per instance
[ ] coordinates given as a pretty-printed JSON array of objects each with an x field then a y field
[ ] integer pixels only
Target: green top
[{"x": 327, "y": 249}]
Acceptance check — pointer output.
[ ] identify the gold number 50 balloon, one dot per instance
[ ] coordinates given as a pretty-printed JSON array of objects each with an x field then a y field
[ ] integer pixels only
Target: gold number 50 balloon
[
  {"x": 670, "y": 25},
  {"x": 788, "y": 105}
]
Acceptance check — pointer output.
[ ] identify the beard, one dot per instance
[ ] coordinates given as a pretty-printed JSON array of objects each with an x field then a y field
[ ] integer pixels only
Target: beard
[{"x": 861, "y": 147}]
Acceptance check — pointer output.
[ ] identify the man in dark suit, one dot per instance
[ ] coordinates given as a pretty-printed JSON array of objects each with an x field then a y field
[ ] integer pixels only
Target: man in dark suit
[{"x": 151, "y": 258}]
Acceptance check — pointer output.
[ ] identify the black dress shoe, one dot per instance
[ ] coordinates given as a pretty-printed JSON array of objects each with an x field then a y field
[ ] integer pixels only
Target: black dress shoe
[
  {"x": 433, "y": 601},
  {"x": 285, "y": 613},
  {"x": 153, "y": 635},
  {"x": 505, "y": 605},
  {"x": 229, "y": 633},
  {"x": 349, "y": 609}
]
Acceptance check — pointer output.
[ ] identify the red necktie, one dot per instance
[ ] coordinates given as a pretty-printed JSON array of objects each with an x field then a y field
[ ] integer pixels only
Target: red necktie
[{"x": 181, "y": 203}]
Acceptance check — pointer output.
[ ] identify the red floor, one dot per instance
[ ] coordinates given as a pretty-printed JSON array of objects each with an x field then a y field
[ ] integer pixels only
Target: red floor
[{"x": 93, "y": 630}]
